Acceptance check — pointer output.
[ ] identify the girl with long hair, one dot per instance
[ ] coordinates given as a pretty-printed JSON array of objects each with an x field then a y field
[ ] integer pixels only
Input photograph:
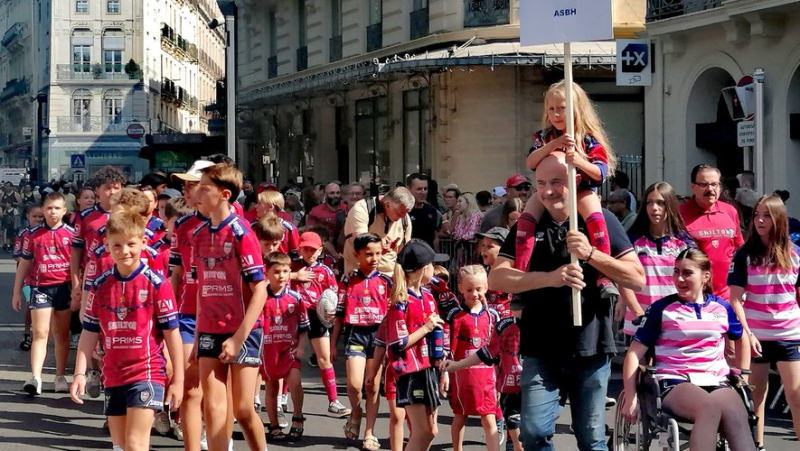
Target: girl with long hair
[
  {"x": 687, "y": 331},
  {"x": 84, "y": 199},
  {"x": 467, "y": 219},
  {"x": 589, "y": 151},
  {"x": 658, "y": 236},
  {"x": 764, "y": 293}
]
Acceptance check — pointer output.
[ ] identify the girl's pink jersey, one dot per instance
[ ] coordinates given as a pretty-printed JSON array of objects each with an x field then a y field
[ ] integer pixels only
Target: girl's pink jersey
[
  {"x": 770, "y": 296},
  {"x": 657, "y": 256}
]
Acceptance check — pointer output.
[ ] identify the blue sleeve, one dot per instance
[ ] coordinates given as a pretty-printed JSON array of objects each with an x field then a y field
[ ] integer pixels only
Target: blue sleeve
[
  {"x": 735, "y": 328},
  {"x": 737, "y": 276},
  {"x": 620, "y": 244},
  {"x": 650, "y": 329}
]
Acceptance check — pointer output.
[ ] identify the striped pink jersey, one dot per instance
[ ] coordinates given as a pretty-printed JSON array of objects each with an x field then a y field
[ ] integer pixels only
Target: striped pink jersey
[
  {"x": 689, "y": 337},
  {"x": 657, "y": 256},
  {"x": 770, "y": 304}
]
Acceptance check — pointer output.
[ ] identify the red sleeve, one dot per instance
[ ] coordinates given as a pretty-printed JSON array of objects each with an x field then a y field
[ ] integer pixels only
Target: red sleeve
[
  {"x": 294, "y": 240},
  {"x": 166, "y": 310},
  {"x": 78, "y": 240},
  {"x": 341, "y": 306},
  {"x": 312, "y": 218},
  {"x": 396, "y": 329},
  {"x": 330, "y": 282},
  {"x": 26, "y": 248}
]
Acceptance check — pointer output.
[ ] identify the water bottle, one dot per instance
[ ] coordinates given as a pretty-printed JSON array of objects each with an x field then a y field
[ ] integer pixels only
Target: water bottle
[{"x": 436, "y": 343}]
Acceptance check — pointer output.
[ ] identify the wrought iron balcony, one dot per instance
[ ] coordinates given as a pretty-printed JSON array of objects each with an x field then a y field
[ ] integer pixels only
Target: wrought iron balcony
[
  {"x": 14, "y": 87},
  {"x": 302, "y": 58},
  {"x": 88, "y": 71},
  {"x": 272, "y": 67},
  {"x": 93, "y": 124},
  {"x": 667, "y": 9},
  {"x": 12, "y": 35},
  {"x": 375, "y": 37},
  {"x": 419, "y": 23},
  {"x": 485, "y": 13},
  {"x": 336, "y": 48}
]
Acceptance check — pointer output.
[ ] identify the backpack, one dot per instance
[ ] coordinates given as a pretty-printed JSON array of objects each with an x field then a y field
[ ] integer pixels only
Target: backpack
[{"x": 372, "y": 208}]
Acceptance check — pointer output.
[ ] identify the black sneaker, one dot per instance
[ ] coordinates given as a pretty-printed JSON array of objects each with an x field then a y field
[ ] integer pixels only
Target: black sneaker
[
  {"x": 25, "y": 344},
  {"x": 312, "y": 361}
]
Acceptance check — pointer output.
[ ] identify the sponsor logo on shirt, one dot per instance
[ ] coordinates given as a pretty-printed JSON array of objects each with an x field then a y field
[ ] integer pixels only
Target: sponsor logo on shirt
[
  {"x": 123, "y": 342},
  {"x": 217, "y": 289},
  {"x": 166, "y": 305},
  {"x": 89, "y": 301},
  {"x": 215, "y": 275},
  {"x": 121, "y": 325}
]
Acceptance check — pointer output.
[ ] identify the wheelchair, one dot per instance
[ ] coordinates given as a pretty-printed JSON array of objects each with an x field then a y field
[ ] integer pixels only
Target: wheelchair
[{"x": 659, "y": 428}]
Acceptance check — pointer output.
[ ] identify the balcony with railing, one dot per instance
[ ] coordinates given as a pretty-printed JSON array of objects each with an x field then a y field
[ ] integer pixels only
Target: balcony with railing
[
  {"x": 169, "y": 91},
  {"x": 302, "y": 58},
  {"x": 419, "y": 23},
  {"x": 272, "y": 67},
  {"x": 93, "y": 124},
  {"x": 667, "y": 9},
  {"x": 375, "y": 37},
  {"x": 11, "y": 39},
  {"x": 88, "y": 71},
  {"x": 176, "y": 43},
  {"x": 336, "y": 48},
  {"x": 486, "y": 13},
  {"x": 14, "y": 87}
]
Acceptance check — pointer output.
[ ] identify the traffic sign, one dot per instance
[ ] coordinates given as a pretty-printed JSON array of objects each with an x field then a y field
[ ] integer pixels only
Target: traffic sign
[
  {"x": 77, "y": 161},
  {"x": 559, "y": 21},
  {"x": 135, "y": 131},
  {"x": 633, "y": 62},
  {"x": 746, "y": 133}
]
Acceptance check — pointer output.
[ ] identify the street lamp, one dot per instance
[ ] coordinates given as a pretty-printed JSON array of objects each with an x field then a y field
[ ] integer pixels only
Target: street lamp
[{"x": 228, "y": 9}]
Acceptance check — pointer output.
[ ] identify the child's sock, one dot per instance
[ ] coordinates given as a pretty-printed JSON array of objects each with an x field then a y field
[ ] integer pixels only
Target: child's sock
[
  {"x": 526, "y": 234},
  {"x": 329, "y": 381},
  {"x": 598, "y": 237}
]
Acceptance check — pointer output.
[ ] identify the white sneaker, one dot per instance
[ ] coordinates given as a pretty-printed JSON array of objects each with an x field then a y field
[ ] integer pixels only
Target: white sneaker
[
  {"x": 33, "y": 386},
  {"x": 284, "y": 400},
  {"x": 230, "y": 445},
  {"x": 73, "y": 341},
  {"x": 61, "y": 385},
  {"x": 94, "y": 384},
  {"x": 282, "y": 422},
  {"x": 338, "y": 409},
  {"x": 162, "y": 422},
  {"x": 204, "y": 441}
]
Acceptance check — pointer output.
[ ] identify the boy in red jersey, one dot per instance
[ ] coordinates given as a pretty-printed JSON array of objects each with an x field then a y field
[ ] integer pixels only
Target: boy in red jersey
[
  {"x": 184, "y": 282},
  {"x": 285, "y": 333},
  {"x": 489, "y": 246},
  {"x": 227, "y": 258},
  {"x": 271, "y": 203},
  {"x": 363, "y": 300},
  {"x": 35, "y": 217},
  {"x": 269, "y": 232},
  {"x": 321, "y": 278},
  {"x": 133, "y": 309},
  {"x": 155, "y": 225},
  {"x": 175, "y": 209},
  {"x": 45, "y": 256}
]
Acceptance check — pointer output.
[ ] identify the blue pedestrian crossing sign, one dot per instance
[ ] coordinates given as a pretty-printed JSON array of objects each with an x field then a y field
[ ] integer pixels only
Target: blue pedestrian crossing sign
[{"x": 77, "y": 161}]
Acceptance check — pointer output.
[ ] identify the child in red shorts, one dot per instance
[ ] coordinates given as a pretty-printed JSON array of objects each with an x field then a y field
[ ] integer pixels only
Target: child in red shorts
[
  {"x": 285, "y": 333},
  {"x": 397, "y": 415}
]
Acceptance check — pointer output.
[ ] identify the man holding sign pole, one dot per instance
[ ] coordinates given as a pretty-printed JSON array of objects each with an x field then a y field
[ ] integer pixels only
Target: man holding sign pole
[{"x": 558, "y": 357}]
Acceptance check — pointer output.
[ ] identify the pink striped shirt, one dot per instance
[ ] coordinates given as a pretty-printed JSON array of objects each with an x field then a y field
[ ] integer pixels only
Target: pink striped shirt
[
  {"x": 689, "y": 338},
  {"x": 657, "y": 256},
  {"x": 770, "y": 300}
]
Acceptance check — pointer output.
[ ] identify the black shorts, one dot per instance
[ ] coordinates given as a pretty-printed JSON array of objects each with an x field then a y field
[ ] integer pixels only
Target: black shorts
[
  {"x": 318, "y": 330},
  {"x": 210, "y": 346},
  {"x": 360, "y": 341},
  {"x": 666, "y": 386},
  {"x": 56, "y": 297},
  {"x": 138, "y": 394},
  {"x": 421, "y": 387},
  {"x": 779, "y": 351},
  {"x": 511, "y": 404}
]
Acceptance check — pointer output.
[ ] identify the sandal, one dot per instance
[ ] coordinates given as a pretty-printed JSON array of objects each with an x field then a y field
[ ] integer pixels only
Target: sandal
[
  {"x": 276, "y": 434},
  {"x": 25, "y": 344},
  {"x": 296, "y": 433},
  {"x": 352, "y": 429},
  {"x": 371, "y": 443}
]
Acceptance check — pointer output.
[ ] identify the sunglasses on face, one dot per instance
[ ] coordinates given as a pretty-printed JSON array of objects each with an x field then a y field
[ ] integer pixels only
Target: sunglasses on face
[{"x": 523, "y": 187}]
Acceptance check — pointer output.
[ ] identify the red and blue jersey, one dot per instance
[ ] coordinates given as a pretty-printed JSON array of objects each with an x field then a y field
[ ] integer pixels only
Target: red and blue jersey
[
  {"x": 594, "y": 153},
  {"x": 181, "y": 257},
  {"x": 402, "y": 320},
  {"x": 50, "y": 250},
  {"x": 689, "y": 337},
  {"x": 18, "y": 240},
  {"x": 322, "y": 279},
  {"x": 100, "y": 261},
  {"x": 226, "y": 258},
  {"x": 89, "y": 227},
  {"x": 503, "y": 351},
  {"x": 285, "y": 318},
  {"x": 163, "y": 248},
  {"x": 363, "y": 300},
  {"x": 291, "y": 237},
  {"x": 128, "y": 313},
  {"x": 157, "y": 226}
]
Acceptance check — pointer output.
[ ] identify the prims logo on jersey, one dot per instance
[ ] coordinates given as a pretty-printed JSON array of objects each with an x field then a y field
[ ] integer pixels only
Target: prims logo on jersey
[{"x": 222, "y": 290}]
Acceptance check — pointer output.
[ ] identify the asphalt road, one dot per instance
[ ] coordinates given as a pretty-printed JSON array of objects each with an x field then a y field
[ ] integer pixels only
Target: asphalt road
[{"x": 52, "y": 421}]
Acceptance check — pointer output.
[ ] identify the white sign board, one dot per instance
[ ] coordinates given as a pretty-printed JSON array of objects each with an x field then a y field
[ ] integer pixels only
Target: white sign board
[
  {"x": 634, "y": 62},
  {"x": 13, "y": 175},
  {"x": 746, "y": 133},
  {"x": 559, "y": 21}
]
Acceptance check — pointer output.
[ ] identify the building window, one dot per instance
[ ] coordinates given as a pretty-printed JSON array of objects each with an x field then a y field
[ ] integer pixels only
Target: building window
[
  {"x": 81, "y": 58},
  {"x": 302, "y": 23},
  {"x": 375, "y": 11},
  {"x": 81, "y": 110},
  {"x": 372, "y": 139},
  {"x": 112, "y": 61},
  {"x": 112, "y": 106},
  {"x": 336, "y": 18},
  {"x": 113, "y": 6},
  {"x": 81, "y": 6},
  {"x": 416, "y": 126}
]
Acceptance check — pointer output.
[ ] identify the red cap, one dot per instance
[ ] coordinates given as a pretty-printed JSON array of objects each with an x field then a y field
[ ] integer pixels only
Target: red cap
[
  {"x": 310, "y": 239},
  {"x": 270, "y": 187},
  {"x": 517, "y": 179}
]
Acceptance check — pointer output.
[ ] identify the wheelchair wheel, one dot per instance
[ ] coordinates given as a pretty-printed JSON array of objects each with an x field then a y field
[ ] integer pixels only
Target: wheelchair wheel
[{"x": 629, "y": 436}]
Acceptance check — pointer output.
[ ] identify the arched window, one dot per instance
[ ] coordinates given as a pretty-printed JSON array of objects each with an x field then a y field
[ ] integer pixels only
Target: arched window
[
  {"x": 81, "y": 110},
  {"x": 113, "y": 102}
]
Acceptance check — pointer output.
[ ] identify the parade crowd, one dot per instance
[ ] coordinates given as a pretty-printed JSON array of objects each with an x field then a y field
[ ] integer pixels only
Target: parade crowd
[{"x": 195, "y": 298}]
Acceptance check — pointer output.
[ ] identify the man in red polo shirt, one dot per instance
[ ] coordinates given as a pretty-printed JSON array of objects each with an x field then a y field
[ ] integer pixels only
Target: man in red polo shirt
[
  {"x": 331, "y": 213},
  {"x": 713, "y": 224}
]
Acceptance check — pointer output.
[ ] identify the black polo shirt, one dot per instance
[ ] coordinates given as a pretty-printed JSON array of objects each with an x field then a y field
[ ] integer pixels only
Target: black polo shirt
[
  {"x": 546, "y": 327},
  {"x": 425, "y": 221}
]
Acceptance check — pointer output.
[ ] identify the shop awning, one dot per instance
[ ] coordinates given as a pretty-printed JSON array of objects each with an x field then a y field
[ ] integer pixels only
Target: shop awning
[
  {"x": 94, "y": 147},
  {"x": 472, "y": 53}
]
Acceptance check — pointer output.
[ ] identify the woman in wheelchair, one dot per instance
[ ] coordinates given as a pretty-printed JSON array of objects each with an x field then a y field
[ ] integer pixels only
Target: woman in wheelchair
[
  {"x": 687, "y": 330},
  {"x": 764, "y": 293}
]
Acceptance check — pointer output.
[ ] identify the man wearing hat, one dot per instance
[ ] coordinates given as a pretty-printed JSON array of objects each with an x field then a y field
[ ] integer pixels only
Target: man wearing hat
[
  {"x": 517, "y": 186},
  {"x": 498, "y": 195},
  {"x": 190, "y": 179}
]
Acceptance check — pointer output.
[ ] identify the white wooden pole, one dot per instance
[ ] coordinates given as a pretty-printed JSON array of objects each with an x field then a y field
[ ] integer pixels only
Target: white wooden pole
[{"x": 577, "y": 316}]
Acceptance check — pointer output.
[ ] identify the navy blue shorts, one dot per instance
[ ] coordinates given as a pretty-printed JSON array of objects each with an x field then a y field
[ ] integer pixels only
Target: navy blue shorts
[
  {"x": 779, "y": 351},
  {"x": 187, "y": 325},
  {"x": 210, "y": 346},
  {"x": 138, "y": 394},
  {"x": 318, "y": 330},
  {"x": 511, "y": 405},
  {"x": 56, "y": 297},
  {"x": 420, "y": 387},
  {"x": 360, "y": 341},
  {"x": 666, "y": 386}
]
